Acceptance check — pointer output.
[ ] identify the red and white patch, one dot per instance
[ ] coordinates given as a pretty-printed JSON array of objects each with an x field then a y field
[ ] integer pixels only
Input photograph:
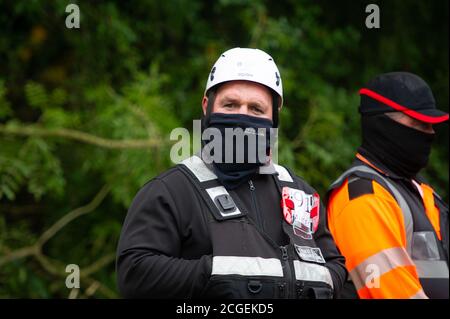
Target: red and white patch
[
  {"x": 301, "y": 210},
  {"x": 288, "y": 206},
  {"x": 315, "y": 210}
]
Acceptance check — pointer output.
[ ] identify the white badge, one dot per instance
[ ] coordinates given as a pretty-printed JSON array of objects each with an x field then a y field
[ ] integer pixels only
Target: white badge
[{"x": 310, "y": 254}]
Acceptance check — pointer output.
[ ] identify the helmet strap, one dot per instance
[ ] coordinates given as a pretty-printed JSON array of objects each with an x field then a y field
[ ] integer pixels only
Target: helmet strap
[
  {"x": 274, "y": 108},
  {"x": 211, "y": 94}
]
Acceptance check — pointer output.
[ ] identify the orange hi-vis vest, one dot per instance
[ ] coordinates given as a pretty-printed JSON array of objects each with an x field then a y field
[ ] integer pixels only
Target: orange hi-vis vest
[{"x": 392, "y": 232}]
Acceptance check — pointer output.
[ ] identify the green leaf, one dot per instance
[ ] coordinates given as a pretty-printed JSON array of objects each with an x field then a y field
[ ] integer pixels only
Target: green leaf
[
  {"x": 4, "y": 189},
  {"x": 36, "y": 95}
]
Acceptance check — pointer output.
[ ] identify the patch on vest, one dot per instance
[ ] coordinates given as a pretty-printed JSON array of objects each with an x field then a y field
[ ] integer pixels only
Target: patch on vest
[
  {"x": 359, "y": 187},
  {"x": 301, "y": 211},
  {"x": 310, "y": 254}
]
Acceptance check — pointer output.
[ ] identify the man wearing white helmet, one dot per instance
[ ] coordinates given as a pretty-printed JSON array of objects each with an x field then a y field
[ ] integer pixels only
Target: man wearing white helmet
[{"x": 228, "y": 222}]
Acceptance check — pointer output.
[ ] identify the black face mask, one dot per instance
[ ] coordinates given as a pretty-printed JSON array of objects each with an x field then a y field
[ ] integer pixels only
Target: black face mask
[
  {"x": 243, "y": 146},
  {"x": 402, "y": 149}
]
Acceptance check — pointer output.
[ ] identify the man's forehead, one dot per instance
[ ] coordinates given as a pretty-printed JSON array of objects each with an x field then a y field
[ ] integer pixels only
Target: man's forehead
[
  {"x": 238, "y": 88},
  {"x": 409, "y": 121},
  {"x": 402, "y": 116}
]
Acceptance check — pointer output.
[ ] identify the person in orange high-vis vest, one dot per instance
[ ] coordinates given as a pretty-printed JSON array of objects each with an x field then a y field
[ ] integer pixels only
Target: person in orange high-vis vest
[{"x": 386, "y": 220}]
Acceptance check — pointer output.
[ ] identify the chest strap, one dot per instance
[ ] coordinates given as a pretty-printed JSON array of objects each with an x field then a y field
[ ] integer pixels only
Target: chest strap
[{"x": 222, "y": 205}]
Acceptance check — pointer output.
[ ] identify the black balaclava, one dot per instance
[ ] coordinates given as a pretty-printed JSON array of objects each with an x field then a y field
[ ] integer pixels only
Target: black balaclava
[
  {"x": 402, "y": 149},
  {"x": 233, "y": 174}
]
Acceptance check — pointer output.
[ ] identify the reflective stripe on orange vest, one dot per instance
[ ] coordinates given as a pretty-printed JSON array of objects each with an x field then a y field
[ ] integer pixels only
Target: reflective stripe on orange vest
[
  {"x": 397, "y": 251},
  {"x": 385, "y": 261},
  {"x": 419, "y": 295}
]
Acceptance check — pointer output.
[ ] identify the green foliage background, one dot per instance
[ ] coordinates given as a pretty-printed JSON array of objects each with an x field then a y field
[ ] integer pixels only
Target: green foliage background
[{"x": 136, "y": 70}]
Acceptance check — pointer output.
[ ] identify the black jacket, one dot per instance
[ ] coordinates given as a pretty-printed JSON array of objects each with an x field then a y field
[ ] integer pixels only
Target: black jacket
[{"x": 165, "y": 249}]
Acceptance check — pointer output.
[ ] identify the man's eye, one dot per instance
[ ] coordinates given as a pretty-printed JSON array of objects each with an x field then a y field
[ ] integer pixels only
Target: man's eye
[{"x": 257, "y": 110}]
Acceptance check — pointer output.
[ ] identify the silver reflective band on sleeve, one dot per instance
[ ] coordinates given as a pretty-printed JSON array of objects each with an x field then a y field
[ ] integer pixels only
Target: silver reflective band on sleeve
[
  {"x": 283, "y": 174},
  {"x": 312, "y": 272},
  {"x": 199, "y": 169},
  {"x": 384, "y": 261},
  {"x": 431, "y": 268},
  {"x": 419, "y": 295},
  {"x": 246, "y": 266}
]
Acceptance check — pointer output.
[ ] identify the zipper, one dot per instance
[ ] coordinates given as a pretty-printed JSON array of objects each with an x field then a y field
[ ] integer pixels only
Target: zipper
[
  {"x": 251, "y": 221},
  {"x": 287, "y": 290},
  {"x": 290, "y": 277},
  {"x": 259, "y": 221},
  {"x": 263, "y": 233},
  {"x": 282, "y": 289},
  {"x": 299, "y": 289}
]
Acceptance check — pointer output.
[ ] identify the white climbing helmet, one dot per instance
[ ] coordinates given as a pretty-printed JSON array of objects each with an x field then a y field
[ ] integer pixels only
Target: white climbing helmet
[{"x": 248, "y": 65}]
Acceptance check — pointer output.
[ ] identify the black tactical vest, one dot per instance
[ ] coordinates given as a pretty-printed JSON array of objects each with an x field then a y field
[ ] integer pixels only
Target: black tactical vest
[{"x": 246, "y": 262}]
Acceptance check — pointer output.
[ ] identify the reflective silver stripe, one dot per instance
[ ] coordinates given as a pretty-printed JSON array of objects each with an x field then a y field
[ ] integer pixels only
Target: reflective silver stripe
[
  {"x": 267, "y": 169},
  {"x": 407, "y": 215},
  {"x": 419, "y": 295},
  {"x": 199, "y": 169},
  {"x": 425, "y": 246},
  {"x": 196, "y": 165},
  {"x": 312, "y": 272},
  {"x": 220, "y": 190},
  {"x": 283, "y": 174},
  {"x": 246, "y": 266},
  {"x": 384, "y": 261},
  {"x": 432, "y": 268},
  {"x": 418, "y": 245}
]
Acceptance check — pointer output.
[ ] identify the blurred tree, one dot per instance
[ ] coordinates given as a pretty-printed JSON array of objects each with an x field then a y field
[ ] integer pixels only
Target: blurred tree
[{"x": 85, "y": 114}]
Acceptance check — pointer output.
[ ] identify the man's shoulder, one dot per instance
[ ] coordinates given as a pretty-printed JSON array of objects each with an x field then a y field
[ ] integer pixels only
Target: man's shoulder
[
  {"x": 173, "y": 173},
  {"x": 297, "y": 179},
  {"x": 172, "y": 180},
  {"x": 360, "y": 188}
]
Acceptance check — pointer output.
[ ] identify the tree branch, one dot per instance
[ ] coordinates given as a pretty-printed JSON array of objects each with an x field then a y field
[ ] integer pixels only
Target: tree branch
[
  {"x": 99, "y": 264},
  {"x": 36, "y": 248},
  {"x": 73, "y": 215},
  {"x": 19, "y": 253},
  {"x": 29, "y": 130},
  {"x": 55, "y": 267}
]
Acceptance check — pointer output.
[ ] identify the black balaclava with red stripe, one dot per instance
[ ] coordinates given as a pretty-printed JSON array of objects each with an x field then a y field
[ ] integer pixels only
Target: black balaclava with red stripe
[{"x": 402, "y": 149}]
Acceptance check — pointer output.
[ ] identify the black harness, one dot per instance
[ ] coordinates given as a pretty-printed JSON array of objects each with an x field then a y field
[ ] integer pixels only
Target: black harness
[{"x": 247, "y": 263}]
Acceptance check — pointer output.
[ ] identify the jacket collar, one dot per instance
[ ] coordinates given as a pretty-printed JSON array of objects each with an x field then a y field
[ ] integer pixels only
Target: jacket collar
[
  {"x": 267, "y": 169},
  {"x": 366, "y": 158}
]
